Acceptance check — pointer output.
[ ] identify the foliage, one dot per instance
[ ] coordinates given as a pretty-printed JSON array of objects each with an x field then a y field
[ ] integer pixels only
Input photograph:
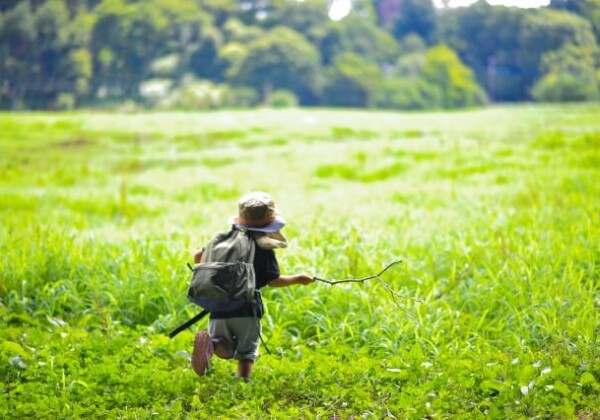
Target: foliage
[
  {"x": 494, "y": 213},
  {"x": 57, "y": 54},
  {"x": 546, "y": 31},
  {"x": 281, "y": 59},
  {"x": 128, "y": 37},
  {"x": 569, "y": 75},
  {"x": 435, "y": 78},
  {"x": 414, "y": 93},
  {"x": 589, "y": 9},
  {"x": 283, "y": 99},
  {"x": 511, "y": 43},
  {"x": 414, "y": 17},
  {"x": 43, "y": 54},
  {"x": 444, "y": 70},
  {"x": 350, "y": 81},
  {"x": 357, "y": 35}
]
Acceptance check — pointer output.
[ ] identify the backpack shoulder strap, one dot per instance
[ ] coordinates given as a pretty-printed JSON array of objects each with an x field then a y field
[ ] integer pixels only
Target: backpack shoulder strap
[{"x": 188, "y": 323}]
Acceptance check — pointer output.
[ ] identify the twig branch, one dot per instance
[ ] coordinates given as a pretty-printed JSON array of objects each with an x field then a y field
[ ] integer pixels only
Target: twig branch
[
  {"x": 360, "y": 280},
  {"x": 393, "y": 293}
]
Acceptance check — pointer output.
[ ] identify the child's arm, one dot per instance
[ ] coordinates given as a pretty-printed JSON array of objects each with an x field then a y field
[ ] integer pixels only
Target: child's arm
[
  {"x": 198, "y": 256},
  {"x": 285, "y": 281}
]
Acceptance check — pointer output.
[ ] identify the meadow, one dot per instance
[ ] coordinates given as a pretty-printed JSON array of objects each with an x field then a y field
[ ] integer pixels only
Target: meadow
[{"x": 495, "y": 214}]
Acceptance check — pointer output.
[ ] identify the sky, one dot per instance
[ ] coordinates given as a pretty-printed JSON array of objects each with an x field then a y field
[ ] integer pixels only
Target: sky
[
  {"x": 340, "y": 8},
  {"x": 518, "y": 3}
]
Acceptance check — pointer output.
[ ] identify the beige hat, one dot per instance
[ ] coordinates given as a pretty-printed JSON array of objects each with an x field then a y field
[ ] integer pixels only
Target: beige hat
[{"x": 257, "y": 212}]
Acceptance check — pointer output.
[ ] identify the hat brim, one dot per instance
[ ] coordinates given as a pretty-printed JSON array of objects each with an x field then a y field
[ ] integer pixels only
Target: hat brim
[{"x": 274, "y": 226}]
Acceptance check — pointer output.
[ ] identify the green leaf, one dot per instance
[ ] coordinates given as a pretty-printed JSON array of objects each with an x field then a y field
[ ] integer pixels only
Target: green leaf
[
  {"x": 12, "y": 348},
  {"x": 562, "y": 388},
  {"x": 492, "y": 385},
  {"x": 587, "y": 379}
]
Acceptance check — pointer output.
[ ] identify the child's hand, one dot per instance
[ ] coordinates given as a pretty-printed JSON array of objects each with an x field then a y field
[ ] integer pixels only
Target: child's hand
[{"x": 304, "y": 279}]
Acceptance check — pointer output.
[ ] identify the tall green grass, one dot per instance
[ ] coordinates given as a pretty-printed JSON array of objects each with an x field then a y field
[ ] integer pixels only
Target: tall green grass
[{"x": 494, "y": 213}]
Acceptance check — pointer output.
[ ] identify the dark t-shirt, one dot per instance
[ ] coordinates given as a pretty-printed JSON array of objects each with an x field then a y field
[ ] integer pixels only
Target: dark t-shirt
[{"x": 266, "y": 269}]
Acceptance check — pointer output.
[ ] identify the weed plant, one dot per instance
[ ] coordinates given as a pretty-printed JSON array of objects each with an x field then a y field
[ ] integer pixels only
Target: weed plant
[{"x": 495, "y": 214}]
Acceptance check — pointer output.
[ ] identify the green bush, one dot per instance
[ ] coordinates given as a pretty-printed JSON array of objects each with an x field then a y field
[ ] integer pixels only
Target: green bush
[
  {"x": 242, "y": 97},
  {"x": 283, "y": 99},
  {"x": 350, "y": 81},
  {"x": 569, "y": 75},
  {"x": 563, "y": 88},
  {"x": 201, "y": 94},
  {"x": 407, "y": 94}
]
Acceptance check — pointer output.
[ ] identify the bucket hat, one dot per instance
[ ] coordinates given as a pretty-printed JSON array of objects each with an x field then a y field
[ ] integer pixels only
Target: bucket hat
[{"x": 257, "y": 212}]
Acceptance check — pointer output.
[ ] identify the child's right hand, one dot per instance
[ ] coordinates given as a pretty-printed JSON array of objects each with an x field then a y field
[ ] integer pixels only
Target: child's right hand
[{"x": 304, "y": 279}]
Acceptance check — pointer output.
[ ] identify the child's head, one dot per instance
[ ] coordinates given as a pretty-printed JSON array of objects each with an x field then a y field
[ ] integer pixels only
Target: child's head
[{"x": 257, "y": 212}]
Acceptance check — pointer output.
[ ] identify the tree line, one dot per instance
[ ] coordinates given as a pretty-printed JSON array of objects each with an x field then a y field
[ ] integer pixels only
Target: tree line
[{"x": 395, "y": 54}]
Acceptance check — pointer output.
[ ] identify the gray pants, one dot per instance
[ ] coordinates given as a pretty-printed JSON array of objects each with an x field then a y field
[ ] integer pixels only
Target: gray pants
[{"x": 240, "y": 336}]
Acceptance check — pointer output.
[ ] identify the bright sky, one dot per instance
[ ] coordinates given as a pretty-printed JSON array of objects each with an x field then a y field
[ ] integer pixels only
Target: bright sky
[
  {"x": 518, "y": 3},
  {"x": 340, "y": 8}
]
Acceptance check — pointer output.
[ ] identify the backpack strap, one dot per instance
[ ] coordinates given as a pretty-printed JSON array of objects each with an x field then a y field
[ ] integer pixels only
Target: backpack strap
[
  {"x": 188, "y": 324},
  {"x": 255, "y": 311},
  {"x": 251, "y": 243}
]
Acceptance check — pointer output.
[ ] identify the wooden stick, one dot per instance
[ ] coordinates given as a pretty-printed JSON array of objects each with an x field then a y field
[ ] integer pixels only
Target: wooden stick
[{"x": 360, "y": 280}]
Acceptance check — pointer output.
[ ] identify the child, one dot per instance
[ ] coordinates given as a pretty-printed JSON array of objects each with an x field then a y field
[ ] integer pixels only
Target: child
[{"x": 236, "y": 334}]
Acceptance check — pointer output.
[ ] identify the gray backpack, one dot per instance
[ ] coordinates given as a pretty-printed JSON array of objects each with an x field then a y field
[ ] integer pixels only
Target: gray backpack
[{"x": 224, "y": 280}]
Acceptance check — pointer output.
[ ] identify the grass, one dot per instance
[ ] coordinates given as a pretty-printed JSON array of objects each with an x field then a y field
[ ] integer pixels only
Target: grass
[{"x": 494, "y": 212}]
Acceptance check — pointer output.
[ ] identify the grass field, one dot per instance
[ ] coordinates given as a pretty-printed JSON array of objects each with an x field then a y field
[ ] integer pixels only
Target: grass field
[{"x": 495, "y": 214}]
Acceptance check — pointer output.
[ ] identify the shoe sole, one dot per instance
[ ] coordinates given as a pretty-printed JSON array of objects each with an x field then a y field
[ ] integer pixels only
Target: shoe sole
[{"x": 202, "y": 353}]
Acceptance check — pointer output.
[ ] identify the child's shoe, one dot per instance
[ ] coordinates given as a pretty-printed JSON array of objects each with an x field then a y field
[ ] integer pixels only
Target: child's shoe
[{"x": 203, "y": 351}]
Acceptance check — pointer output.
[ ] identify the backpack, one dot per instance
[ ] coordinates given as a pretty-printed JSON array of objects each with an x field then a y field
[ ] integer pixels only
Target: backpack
[{"x": 224, "y": 280}]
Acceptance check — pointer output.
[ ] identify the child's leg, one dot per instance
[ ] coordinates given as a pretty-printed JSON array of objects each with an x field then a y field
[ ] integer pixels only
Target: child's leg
[
  {"x": 245, "y": 368},
  {"x": 222, "y": 338},
  {"x": 247, "y": 333}
]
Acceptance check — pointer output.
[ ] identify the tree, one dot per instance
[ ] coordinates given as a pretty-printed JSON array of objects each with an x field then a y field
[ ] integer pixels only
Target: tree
[
  {"x": 588, "y": 9},
  {"x": 569, "y": 75},
  {"x": 493, "y": 56},
  {"x": 444, "y": 70},
  {"x": 351, "y": 81},
  {"x": 282, "y": 59},
  {"x": 510, "y": 43},
  {"x": 358, "y": 35},
  {"x": 415, "y": 16},
  {"x": 17, "y": 40},
  {"x": 45, "y": 55},
  {"x": 129, "y": 36},
  {"x": 548, "y": 30},
  {"x": 411, "y": 94},
  {"x": 308, "y": 17}
]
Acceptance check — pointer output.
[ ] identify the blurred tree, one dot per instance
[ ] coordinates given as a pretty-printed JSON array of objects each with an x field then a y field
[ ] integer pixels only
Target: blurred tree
[
  {"x": 510, "y": 43},
  {"x": 351, "y": 81},
  {"x": 129, "y": 36},
  {"x": 204, "y": 60},
  {"x": 221, "y": 10},
  {"x": 308, "y": 17},
  {"x": 413, "y": 16},
  {"x": 569, "y": 75},
  {"x": 546, "y": 30},
  {"x": 589, "y": 9},
  {"x": 360, "y": 36},
  {"x": 411, "y": 94},
  {"x": 493, "y": 55},
  {"x": 444, "y": 70},
  {"x": 412, "y": 43},
  {"x": 44, "y": 54},
  {"x": 281, "y": 59},
  {"x": 16, "y": 45},
  {"x": 235, "y": 30}
]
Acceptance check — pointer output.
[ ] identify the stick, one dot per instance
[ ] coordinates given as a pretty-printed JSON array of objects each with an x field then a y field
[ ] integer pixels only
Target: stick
[
  {"x": 375, "y": 276},
  {"x": 363, "y": 279}
]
